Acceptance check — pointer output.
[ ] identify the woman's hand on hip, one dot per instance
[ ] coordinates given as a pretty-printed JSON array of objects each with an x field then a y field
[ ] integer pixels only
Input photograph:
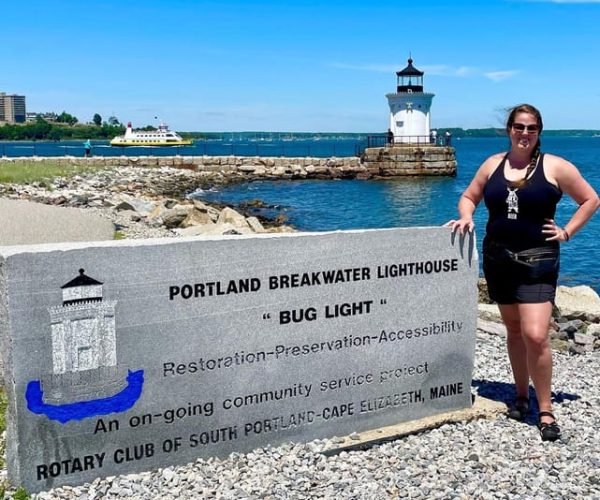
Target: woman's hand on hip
[{"x": 554, "y": 232}]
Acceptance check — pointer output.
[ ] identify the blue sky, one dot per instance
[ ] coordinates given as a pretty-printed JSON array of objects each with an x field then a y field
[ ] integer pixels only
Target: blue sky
[{"x": 301, "y": 65}]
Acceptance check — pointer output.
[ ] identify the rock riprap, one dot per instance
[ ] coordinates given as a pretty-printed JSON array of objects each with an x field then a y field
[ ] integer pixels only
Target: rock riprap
[
  {"x": 145, "y": 202},
  {"x": 575, "y": 325}
]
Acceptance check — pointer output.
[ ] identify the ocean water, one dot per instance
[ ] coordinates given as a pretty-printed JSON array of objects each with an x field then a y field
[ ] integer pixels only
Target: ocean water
[
  {"x": 349, "y": 204},
  {"x": 238, "y": 145}
]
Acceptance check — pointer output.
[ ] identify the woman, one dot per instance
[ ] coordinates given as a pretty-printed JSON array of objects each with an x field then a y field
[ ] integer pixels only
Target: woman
[{"x": 521, "y": 189}]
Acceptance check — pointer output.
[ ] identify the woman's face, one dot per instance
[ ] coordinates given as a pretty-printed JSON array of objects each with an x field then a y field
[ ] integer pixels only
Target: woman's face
[{"x": 524, "y": 132}]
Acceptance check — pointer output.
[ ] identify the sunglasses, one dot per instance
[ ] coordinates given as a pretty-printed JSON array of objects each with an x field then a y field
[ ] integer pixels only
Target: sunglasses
[{"x": 520, "y": 127}]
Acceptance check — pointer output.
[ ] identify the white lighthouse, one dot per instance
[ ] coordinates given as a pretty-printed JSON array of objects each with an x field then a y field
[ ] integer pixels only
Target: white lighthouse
[{"x": 410, "y": 107}]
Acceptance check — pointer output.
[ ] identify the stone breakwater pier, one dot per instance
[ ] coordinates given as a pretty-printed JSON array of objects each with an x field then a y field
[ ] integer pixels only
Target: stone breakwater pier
[
  {"x": 380, "y": 162},
  {"x": 400, "y": 160}
]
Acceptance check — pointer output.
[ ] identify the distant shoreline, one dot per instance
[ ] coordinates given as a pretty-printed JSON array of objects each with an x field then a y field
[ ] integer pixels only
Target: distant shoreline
[
  {"x": 456, "y": 132},
  {"x": 265, "y": 136}
]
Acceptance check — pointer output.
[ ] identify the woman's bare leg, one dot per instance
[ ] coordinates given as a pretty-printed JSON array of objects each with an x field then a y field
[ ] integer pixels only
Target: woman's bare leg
[
  {"x": 535, "y": 322},
  {"x": 517, "y": 349}
]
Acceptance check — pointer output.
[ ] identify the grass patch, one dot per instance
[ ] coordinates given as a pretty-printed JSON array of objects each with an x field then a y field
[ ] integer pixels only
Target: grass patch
[
  {"x": 21, "y": 494},
  {"x": 3, "y": 403},
  {"x": 37, "y": 171}
]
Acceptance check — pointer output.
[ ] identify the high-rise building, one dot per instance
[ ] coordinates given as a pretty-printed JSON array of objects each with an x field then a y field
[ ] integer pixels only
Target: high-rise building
[{"x": 12, "y": 108}]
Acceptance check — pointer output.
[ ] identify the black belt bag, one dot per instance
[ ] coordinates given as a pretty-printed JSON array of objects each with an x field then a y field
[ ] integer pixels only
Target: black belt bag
[{"x": 531, "y": 265}]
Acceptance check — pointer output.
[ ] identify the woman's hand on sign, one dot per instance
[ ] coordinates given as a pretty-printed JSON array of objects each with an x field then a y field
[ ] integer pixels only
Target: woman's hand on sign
[{"x": 464, "y": 225}]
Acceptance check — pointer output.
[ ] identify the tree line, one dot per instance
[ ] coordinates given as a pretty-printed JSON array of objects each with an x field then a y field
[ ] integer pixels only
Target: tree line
[
  {"x": 62, "y": 127},
  {"x": 500, "y": 132},
  {"x": 65, "y": 126}
]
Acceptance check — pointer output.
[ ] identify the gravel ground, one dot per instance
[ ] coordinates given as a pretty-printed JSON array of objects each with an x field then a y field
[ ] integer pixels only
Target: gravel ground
[
  {"x": 482, "y": 459},
  {"x": 133, "y": 229}
]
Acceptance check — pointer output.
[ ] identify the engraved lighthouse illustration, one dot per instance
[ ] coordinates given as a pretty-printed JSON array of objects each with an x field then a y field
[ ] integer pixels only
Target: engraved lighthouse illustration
[
  {"x": 85, "y": 380},
  {"x": 83, "y": 338}
]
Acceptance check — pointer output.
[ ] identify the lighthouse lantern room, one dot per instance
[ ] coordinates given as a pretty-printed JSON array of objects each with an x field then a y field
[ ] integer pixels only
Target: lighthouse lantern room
[{"x": 410, "y": 107}]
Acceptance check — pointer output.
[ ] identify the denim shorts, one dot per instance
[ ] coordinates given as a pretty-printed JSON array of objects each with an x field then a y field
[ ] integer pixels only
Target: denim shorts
[{"x": 525, "y": 277}]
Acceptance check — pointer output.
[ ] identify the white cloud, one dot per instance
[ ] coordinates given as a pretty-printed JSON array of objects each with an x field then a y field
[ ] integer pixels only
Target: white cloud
[
  {"x": 441, "y": 70},
  {"x": 437, "y": 70},
  {"x": 498, "y": 76},
  {"x": 563, "y": 1},
  {"x": 378, "y": 68},
  {"x": 465, "y": 71},
  {"x": 469, "y": 72}
]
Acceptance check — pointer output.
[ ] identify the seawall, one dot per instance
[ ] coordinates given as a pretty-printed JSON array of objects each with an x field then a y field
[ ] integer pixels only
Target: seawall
[
  {"x": 376, "y": 163},
  {"x": 400, "y": 160}
]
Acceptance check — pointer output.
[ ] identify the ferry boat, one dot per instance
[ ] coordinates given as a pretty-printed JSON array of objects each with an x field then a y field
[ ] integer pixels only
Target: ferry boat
[{"x": 161, "y": 137}]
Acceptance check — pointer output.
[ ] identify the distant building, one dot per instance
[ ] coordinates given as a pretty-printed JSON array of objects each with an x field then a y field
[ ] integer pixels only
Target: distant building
[
  {"x": 409, "y": 107},
  {"x": 12, "y": 108},
  {"x": 48, "y": 116}
]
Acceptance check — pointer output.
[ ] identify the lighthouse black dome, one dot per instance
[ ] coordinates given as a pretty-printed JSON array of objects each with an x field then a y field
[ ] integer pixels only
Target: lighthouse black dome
[
  {"x": 410, "y": 79},
  {"x": 410, "y": 70}
]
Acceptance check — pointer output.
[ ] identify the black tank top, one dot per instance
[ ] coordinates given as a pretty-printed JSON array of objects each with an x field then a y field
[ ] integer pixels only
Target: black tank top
[{"x": 517, "y": 214}]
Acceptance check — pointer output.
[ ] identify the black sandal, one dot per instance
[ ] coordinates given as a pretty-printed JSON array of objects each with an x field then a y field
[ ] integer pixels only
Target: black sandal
[
  {"x": 519, "y": 409},
  {"x": 549, "y": 431}
]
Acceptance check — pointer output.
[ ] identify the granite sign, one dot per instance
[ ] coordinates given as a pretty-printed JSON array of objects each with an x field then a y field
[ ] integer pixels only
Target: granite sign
[{"x": 131, "y": 355}]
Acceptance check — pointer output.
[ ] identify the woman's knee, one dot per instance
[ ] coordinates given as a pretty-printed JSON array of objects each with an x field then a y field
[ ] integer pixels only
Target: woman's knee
[
  {"x": 513, "y": 329},
  {"x": 514, "y": 340},
  {"x": 536, "y": 339}
]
